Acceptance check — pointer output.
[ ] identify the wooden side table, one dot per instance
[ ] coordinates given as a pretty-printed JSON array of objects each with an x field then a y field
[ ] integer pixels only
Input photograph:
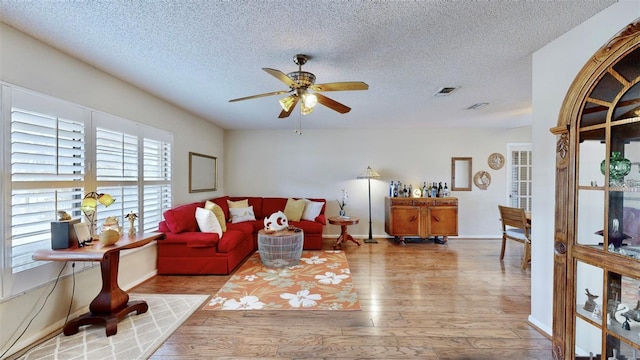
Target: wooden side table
[
  {"x": 344, "y": 222},
  {"x": 112, "y": 303}
]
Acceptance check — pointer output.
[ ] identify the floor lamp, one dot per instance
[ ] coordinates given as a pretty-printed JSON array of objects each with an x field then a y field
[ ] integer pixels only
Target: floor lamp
[{"x": 369, "y": 174}]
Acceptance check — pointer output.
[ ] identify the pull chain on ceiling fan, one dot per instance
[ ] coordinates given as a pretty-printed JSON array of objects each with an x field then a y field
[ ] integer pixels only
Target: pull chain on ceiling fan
[{"x": 300, "y": 82}]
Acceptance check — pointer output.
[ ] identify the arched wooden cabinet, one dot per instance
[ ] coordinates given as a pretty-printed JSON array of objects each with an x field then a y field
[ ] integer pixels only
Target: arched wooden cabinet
[{"x": 597, "y": 225}]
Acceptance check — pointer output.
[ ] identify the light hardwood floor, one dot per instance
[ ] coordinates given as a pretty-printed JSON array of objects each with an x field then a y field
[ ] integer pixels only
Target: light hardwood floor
[{"x": 419, "y": 301}]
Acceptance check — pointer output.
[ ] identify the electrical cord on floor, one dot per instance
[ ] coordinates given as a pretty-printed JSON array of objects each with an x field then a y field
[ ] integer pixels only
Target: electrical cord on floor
[
  {"x": 34, "y": 316},
  {"x": 73, "y": 290}
]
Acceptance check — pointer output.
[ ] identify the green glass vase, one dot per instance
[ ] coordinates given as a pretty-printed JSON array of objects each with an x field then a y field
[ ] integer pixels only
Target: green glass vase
[{"x": 619, "y": 167}]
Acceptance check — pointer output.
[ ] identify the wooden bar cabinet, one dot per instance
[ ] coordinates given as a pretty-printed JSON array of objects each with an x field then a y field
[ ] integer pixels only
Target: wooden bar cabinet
[{"x": 421, "y": 217}]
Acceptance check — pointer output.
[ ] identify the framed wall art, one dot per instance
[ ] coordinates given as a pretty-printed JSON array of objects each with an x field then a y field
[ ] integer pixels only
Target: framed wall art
[
  {"x": 203, "y": 173},
  {"x": 496, "y": 161}
]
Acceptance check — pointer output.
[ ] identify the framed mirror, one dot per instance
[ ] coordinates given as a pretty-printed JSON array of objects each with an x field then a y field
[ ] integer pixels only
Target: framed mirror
[
  {"x": 203, "y": 173},
  {"x": 461, "y": 174}
]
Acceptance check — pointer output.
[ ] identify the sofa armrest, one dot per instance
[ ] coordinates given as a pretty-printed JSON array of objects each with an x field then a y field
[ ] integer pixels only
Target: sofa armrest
[
  {"x": 321, "y": 219},
  {"x": 163, "y": 227}
]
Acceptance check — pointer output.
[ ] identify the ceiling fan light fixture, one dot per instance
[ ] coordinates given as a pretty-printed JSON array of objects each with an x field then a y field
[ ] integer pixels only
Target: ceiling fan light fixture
[
  {"x": 287, "y": 102},
  {"x": 309, "y": 100},
  {"x": 304, "y": 109}
]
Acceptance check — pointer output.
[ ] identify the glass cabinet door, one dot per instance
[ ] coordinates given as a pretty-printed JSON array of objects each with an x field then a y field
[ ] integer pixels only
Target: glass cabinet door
[{"x": 597, "y": 269}]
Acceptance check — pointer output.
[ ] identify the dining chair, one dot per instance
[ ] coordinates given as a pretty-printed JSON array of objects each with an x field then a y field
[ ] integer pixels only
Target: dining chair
[{"x": 516, "y": 227}]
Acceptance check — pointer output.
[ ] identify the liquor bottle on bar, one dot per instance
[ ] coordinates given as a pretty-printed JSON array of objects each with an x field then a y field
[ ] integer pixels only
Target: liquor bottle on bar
[{"x": 391, "y": 189}]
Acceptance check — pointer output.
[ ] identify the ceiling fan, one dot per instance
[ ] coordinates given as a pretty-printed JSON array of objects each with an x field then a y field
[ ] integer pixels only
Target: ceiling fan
[{"x": 300, "y": 83}]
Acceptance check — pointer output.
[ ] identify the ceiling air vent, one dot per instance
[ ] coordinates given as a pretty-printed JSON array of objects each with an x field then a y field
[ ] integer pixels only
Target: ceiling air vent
[
  {"x": 445, "y": 91},
  {"x": 477, "y": 106}
]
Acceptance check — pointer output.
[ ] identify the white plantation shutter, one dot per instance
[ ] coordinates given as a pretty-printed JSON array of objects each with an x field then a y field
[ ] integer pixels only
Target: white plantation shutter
[
  {"x": 54, "y": 152},
  {"x": 47, "y": 172},
  {"x": 116, "y": 170},
  {"x": 45, "y": 148},
  {"x": 157, "y": 182}
]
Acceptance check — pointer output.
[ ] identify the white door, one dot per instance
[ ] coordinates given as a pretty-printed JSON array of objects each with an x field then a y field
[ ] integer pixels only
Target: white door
[{"x": 519, "y": 175}]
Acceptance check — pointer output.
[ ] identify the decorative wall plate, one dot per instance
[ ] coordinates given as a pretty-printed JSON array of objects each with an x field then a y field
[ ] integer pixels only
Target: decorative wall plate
[
  {"x": 496, "y": 161},
  {"x": 482, "y": 179}
]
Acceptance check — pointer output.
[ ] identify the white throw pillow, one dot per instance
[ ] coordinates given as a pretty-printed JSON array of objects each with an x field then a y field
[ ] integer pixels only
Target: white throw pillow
[
  {"x": 208, "y": 222},
  {"x": 242, "y": 214},
  {"x": 311, "y": 209}
]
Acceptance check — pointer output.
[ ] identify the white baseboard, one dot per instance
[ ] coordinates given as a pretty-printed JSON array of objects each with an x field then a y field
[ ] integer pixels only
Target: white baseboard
[
  {"x": 385, "y": 236},
  {"x": 546, "y": 331}
]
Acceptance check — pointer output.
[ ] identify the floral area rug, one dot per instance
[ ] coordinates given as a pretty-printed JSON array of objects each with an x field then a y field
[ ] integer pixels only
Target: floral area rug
[{"x": 321, "y": 281}]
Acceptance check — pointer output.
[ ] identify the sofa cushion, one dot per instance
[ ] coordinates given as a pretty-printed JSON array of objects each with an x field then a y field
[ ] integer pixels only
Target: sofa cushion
[
  {"x": 247, "y": 228},
  {"x": 293, "y": 209},
  {"x": 218, "y": 212},
  {"x": 238, "y": 203},
  {"x": 182, "y": 218},
  {"x": 312, "y": 209},
  {"x": 321, "y": 218},
  {"x": 222, "y": 202},
  {"x": 271, "y": 205},
  {"x": 207, "y": 221},
  {"x": 231, "y": 240},
  {"x": 309, "y": 227},
  {"x": 242, "y": 214},
  {"x": 254, "y": 201}
]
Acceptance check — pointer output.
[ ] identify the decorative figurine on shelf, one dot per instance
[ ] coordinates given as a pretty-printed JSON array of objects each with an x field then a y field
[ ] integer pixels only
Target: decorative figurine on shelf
[
  {"x": 590, "y": 304},
  {"x": 111, "y": 231},
  {"x": 596, "y": 314},
  {"x": 633, "y": 314},
  {"x": 63, "y": 216},
  {"x": 625, "y": 324},
  {"x": 131, "y": 217},
  {"x": 276, "y": 222}
]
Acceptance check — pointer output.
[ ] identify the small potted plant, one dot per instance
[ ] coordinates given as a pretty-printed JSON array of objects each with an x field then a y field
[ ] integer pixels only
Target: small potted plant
[{"x": 343, "y": 202}]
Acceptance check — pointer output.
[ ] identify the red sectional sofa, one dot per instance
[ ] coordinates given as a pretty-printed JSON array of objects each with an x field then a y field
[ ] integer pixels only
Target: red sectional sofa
[{"x": 186, "y": 250}]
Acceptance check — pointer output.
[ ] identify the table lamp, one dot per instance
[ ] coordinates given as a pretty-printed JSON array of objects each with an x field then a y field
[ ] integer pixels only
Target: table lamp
[
  {"x": 369, "y": 174},
  {"x": 90, "y": 208}
]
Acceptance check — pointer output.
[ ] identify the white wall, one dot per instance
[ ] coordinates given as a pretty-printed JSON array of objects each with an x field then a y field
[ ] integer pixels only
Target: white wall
[
  {"x": 322, "y": 162},
  {"x": 31, "y": 64},
  {"x": 554, "y": 68}
]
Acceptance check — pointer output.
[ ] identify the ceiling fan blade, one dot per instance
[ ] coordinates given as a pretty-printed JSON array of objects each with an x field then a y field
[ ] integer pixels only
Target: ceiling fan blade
[
  {"x": 340, "y": 86},
  {"x": 260, "y": 95},
  {"x": 286, "y": 113},
  {"x": 332, "y": 104},
  {"x": 282, "y": 77}
]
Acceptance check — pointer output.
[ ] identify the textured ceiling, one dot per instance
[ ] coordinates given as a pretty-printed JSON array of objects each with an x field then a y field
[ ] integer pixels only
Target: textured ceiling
[{"x": 199, "y": 54}]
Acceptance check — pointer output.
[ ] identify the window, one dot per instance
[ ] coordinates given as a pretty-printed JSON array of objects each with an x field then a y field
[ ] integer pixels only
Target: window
[
  {"x": 519, "y": 167},
  {"x": 58, "y": 151},
  {"x": 47, "y": 172},
  {"x": 156, "y": 189}
]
